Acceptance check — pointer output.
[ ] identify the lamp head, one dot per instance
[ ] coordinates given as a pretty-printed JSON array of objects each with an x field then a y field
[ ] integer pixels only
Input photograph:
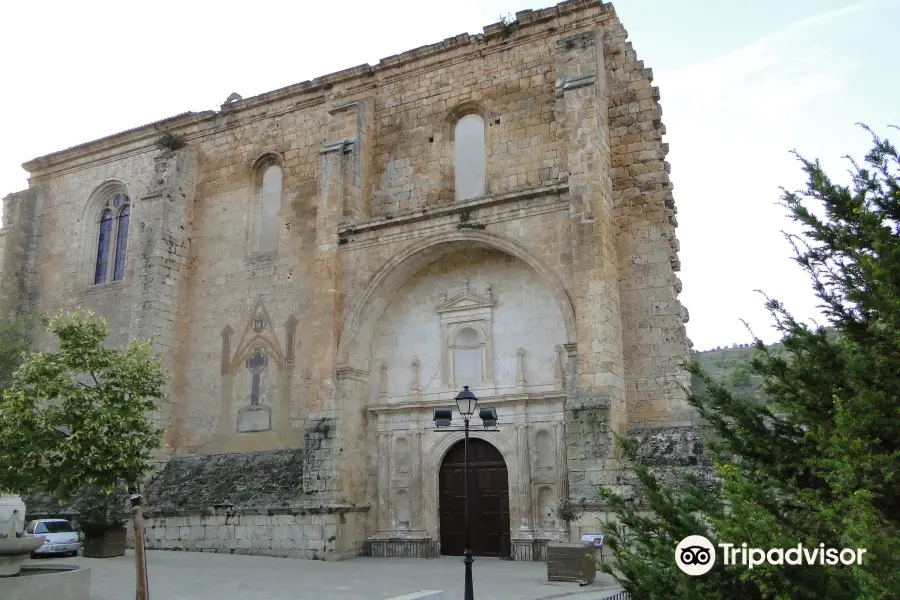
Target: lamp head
[{"x": 465, "y": 402}]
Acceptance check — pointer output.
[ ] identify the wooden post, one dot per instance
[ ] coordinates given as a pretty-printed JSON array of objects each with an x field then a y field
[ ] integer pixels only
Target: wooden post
[{"x": 140, "y": 562}]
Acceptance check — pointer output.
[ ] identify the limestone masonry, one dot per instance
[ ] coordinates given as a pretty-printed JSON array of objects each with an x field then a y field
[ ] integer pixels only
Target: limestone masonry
[{"x": 325, "y": 264}]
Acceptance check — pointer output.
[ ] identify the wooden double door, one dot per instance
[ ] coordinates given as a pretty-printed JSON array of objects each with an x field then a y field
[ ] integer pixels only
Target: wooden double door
[{"x": 488, "y": 500}]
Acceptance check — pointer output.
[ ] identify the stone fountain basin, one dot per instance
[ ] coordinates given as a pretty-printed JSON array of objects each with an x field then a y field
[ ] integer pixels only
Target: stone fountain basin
[
  {"x": 15, "y": 550},
  {"x": 54, "y": 582}
]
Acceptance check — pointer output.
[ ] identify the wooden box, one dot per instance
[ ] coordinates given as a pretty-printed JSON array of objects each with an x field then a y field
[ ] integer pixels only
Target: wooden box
[
  {"x": 571, "y": 562},
  {"x": 106, "y": 545}
]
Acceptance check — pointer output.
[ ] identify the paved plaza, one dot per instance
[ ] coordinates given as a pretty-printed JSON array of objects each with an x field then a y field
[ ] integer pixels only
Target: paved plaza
[{"x": 196, "y": 576}]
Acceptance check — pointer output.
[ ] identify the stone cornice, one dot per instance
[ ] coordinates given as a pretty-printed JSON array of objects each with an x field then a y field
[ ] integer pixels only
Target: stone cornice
[
  {"x": 309, "y": 508},
  {"x": 497, "y": 34},
  {"x": 419, "y": 214},
  {"x": 139, "y": 136},
  {"x": 427, "y": 405}
]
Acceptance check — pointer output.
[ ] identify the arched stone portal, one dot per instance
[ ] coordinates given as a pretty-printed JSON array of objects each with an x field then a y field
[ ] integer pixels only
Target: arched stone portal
[
  {"x": 488, "y": 500},
  {"x": 357, "y": 329},
  {"x": 402, "y": 352}
]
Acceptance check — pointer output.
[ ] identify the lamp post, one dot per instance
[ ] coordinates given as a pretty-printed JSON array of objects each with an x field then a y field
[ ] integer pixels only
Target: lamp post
[{"x": 443, "y": 417}]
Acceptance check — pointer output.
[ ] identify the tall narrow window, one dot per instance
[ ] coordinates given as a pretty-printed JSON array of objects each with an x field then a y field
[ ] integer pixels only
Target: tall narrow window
[
  {"x": 468, "y": 157},
  {"x": 121, "y": 243},
  {"x": 269, "y": 209},
  {"x": 103, "y": 244},
  {"x": 112, "y": 240}
]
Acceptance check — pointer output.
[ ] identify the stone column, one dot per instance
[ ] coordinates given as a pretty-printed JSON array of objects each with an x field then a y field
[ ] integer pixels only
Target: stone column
[
  {"x": 523, "y": 448},
  {"x": 383, "y": 383},
  {"x": 414, "y": 383},
  {"x": 562, "y": 472},
  {"x": 559, "y": 380},
  {"x": 417, "y": 483},
  {"x": 384, "y": 480},
  {"x": 520, "y": 370}
]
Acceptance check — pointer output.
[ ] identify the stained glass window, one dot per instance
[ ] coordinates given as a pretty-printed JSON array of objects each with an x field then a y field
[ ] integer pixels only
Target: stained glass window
[
  {"x": 121, "y": 241},
  {"x": 103, "y": 247}
]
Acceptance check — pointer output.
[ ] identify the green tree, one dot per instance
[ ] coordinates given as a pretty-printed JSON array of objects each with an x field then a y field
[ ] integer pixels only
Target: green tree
[
  {"x": 821, "y": 463},
  {"x": 80, "y": 415},
  {"x": 740, "y": 376}
]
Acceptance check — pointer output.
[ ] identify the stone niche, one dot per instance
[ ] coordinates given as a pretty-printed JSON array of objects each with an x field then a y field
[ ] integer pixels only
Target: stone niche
[
  {"x": 256, "y": 375},
  {"x": 467, "y": 340}
]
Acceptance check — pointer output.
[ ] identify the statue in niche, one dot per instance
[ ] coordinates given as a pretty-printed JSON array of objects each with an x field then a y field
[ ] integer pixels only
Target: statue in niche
[{"x": 255, "y": 417}]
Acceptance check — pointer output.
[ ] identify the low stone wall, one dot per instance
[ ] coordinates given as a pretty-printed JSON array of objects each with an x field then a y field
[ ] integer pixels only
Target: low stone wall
[
  {"x": 250, "y": 503},
  {"x": 330, "y": 533}
]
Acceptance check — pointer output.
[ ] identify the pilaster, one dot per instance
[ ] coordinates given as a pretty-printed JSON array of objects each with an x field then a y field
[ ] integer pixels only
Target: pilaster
[
  {"x": 17, "y": 239},
  {"x": 160, "y": 271},
  {"x": 595, "y": 400}
]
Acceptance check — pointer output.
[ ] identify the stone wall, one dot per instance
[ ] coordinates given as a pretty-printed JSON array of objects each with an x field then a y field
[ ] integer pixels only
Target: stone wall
[
  {"x": 295, "y": 533},
  {"x": 249, "y": 503}
]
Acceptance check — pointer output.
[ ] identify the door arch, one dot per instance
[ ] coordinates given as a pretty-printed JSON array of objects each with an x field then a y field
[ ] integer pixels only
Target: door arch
[{"x": 488, "y": 500}]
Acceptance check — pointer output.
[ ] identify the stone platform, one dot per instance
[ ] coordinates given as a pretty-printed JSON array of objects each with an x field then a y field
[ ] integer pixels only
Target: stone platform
[{"x": 199, "y": 575}]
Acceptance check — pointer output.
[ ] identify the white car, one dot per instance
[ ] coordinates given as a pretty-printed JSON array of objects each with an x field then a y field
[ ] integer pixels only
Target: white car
[{"x": 59, "y": 537}]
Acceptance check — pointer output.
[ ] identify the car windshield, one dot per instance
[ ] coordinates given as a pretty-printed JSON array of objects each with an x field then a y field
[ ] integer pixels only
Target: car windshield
[{"x": 54, "y": 527}]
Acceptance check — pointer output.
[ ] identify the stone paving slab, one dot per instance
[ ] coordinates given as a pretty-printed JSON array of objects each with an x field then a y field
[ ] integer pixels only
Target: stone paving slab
[{"x": 196, "y": 576}]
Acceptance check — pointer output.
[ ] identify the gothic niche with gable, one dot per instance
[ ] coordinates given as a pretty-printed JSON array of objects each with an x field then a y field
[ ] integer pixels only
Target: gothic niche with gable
[{"x": 255, "y": 370}]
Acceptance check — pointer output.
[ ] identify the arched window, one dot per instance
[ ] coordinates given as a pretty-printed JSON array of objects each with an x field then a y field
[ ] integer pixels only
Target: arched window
[
  {"x": 121, "y": 243},
  {"x": 269, "y": 209},
  {"x": 467, "y": 357},
  {"x": 112, "y": 237},
  {"x": 468, "y": 157},
  {"x": 103, "y": 247}
]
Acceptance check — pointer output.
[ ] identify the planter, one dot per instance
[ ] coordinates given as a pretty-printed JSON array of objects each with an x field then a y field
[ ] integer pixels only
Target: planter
[
  {"x": 571, "y": 562},
  {"x": 105, "y": 545}
]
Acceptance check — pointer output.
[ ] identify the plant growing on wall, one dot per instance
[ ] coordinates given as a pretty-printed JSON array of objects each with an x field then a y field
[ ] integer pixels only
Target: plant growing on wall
[
  {"x": 569, "y": 510},
  {"x": 169, "y": 142}
]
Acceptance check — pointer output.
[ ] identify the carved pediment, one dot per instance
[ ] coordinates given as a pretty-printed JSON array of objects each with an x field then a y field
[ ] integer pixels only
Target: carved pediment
[{"x": 465, "y": 301}]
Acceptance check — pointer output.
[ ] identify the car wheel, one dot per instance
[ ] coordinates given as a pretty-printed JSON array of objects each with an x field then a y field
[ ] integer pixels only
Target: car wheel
[{"x": 73, "y": 553}]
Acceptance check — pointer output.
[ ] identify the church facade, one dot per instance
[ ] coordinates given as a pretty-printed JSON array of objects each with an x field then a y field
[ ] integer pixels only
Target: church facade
[{"x": 325, "y": 264}]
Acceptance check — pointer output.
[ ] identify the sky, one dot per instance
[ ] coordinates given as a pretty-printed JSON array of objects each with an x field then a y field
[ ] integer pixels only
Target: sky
[{"x": 741, "y": 83}]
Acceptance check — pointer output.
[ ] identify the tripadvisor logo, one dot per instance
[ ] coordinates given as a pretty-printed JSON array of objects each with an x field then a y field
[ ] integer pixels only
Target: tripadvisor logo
[{"x": 695, "y": 555}]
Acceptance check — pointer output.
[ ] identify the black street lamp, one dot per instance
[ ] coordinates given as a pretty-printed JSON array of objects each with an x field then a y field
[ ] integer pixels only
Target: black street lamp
[{"x": 443, "y": 417}]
